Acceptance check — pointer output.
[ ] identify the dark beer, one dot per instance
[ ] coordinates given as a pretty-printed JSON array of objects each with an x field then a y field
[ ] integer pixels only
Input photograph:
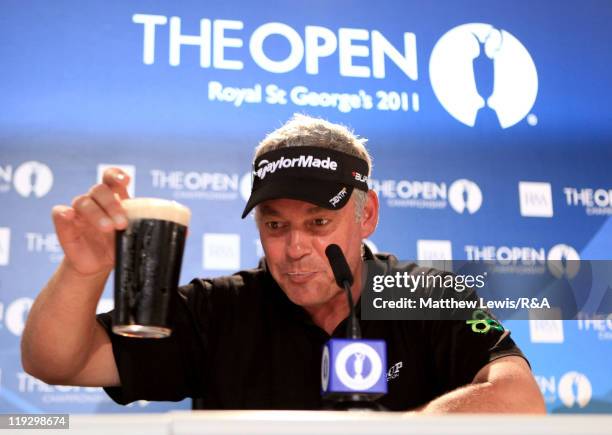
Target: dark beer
[{"x": 148, "y": 256}]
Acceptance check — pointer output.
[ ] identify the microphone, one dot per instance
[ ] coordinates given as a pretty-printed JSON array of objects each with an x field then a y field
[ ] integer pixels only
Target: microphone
[
  {"x": 344, "y": 279},
  {"x": 339, "y": 266},
  {"x": 353, "y": 370}
]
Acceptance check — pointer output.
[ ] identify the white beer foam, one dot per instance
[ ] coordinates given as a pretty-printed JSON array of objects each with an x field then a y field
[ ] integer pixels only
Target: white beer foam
[{"x": 156, "y": 208}]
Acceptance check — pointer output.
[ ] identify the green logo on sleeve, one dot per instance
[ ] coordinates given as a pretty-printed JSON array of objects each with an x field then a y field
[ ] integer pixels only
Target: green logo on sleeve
[{"x": 482, "y": 323}]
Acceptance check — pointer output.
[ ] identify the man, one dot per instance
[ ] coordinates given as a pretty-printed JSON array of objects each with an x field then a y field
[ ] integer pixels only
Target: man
[{"x": 254, "y": 339}]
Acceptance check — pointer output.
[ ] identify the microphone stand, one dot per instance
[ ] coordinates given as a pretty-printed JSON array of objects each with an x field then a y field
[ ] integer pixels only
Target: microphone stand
[{"x": 355, "y": 401}]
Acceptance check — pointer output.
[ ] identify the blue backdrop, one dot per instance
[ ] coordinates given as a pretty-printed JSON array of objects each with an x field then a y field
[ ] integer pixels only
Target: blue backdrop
[{"x": 489, "y": 123}]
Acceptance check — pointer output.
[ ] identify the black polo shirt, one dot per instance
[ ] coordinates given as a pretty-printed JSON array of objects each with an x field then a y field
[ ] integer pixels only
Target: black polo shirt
[{"x": 239, "y": 343}]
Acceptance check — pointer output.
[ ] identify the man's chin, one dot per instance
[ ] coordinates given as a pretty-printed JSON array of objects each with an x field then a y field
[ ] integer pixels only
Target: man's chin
[
  {"x": 308, "y": 297},
  {"x": 301, "y": 299},
  {"x": 304, "y": 297}
]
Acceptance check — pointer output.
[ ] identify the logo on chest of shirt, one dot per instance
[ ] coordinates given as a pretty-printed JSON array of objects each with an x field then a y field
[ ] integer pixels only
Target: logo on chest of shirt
[{"x": 394, "y": 370}]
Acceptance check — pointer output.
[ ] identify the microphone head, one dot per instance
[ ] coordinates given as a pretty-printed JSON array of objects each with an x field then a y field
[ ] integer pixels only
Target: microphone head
[{"x": 340, "y": 268}]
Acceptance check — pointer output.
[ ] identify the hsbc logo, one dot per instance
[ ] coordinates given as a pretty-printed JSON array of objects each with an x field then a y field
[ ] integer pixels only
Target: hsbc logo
[
  {"x": 30, "y": 179},
  {"x": 460, "y": 86}
]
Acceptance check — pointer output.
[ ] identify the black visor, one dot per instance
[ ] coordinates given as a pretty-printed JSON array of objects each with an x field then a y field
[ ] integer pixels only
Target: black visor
[{"x": 321, "y": 176}]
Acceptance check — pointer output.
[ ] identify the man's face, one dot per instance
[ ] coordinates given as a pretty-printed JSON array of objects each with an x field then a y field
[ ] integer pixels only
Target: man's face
[{"x": 294, "y": 235}]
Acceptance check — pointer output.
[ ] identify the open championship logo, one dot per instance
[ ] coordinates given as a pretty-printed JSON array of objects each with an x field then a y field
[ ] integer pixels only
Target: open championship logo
[
  {"x": 16, "y": 315},
  {"x": 359, "y": 355},
  {"x": 459, "y": 88},
  {"x": 563, "y": 261},
  {"x": 575, "y": 389},
  {"x": 33, "y": 178},
  {"x": 465, "y": 195}
]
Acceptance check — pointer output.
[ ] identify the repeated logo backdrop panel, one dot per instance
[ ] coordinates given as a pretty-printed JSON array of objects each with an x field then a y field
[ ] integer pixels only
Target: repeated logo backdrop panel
[{"x": 489, "y": 123}]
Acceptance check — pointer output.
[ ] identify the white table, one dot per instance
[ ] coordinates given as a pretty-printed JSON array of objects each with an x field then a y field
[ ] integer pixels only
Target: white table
[{"x": 324, "y": 423}]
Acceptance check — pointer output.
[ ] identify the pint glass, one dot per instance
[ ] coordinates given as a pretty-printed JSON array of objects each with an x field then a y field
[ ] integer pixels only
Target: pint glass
[{"x": 148, "y": 256}]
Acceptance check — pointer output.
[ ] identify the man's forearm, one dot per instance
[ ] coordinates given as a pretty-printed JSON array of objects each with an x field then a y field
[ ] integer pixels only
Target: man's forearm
[
  {"x": 488, "y": 397},
  {"x": 60, "y": 325}
]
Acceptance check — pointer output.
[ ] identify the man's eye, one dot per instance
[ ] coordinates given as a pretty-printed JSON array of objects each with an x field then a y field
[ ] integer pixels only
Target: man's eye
[
  {"x": 273, "y": 225},
  {"x": 320, "y": 222}
]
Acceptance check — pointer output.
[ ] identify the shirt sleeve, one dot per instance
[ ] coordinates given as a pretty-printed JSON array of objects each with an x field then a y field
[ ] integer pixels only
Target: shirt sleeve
[
  {"x": 168, "y": 369},
  {"x": 462, "y": 347}
]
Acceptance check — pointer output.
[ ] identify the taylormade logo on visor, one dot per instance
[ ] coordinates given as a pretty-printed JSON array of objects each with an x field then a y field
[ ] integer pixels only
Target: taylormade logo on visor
[{"x": 266, "y": 167}]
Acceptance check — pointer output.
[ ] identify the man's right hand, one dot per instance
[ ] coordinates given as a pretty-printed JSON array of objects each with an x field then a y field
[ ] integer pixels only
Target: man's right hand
[
  {"x": 86, "y": 230},
  {"x": 80, "y": 354}
]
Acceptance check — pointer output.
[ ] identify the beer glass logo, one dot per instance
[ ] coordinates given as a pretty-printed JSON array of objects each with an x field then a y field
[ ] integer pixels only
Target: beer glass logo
[
  {"x": 575, "y": 389},
  {"x": 474, "y": 65},
  {"x": 16, "y": 315},
  {"x": 33, "y": 178},
  {"x": 465, "y": 195},
  {"x": 563, "y": 261},
  {"x": 358, "y": 366}
]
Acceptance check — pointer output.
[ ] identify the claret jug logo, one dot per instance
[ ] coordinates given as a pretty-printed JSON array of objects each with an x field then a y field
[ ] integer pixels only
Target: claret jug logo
[
  {"x": 33, "y": 179},
  {"x": 575, "y": 390},
  {"x": 563, "y": 261},
  {"x": 358, "y": 366},
  {"x": 470, "y": 57},
  {"x": 465, "y": 195}
]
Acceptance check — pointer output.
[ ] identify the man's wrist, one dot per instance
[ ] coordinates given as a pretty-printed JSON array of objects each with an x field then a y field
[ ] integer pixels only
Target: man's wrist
[{"x": 67, "y": 270}]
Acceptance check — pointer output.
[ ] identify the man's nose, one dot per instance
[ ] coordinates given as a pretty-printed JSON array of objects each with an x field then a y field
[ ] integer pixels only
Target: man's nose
[{"x": 298, "y": 245}]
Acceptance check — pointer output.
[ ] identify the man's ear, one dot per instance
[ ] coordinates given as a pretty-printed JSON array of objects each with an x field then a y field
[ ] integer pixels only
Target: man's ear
[{"x": 369, "y": 216}]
